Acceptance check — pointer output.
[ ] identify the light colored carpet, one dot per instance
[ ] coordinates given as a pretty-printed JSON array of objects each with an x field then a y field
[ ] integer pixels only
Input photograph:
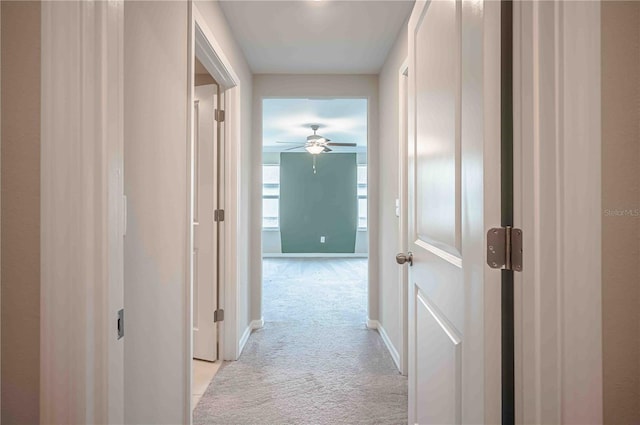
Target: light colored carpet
[{"x": 314, "y": 362}]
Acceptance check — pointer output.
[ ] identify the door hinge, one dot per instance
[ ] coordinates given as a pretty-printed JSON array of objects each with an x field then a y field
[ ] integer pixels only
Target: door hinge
[
  {"x": 504, "y": 248},
  {"x": 218, "y": 215},
  {"x": 219, "y": 115},
  {"x": 218, "y": 315}
]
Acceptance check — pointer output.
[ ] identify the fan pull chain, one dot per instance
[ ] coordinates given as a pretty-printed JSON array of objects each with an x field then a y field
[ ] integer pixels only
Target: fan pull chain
[{"x": 314, "y": 164}]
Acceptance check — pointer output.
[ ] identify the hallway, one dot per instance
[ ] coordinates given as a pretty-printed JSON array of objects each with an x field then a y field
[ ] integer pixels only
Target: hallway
[{"x": 314, "y": 361}]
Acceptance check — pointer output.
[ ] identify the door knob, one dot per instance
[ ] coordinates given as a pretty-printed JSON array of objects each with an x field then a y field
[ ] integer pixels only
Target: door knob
[{"x": 405, "y": 258}]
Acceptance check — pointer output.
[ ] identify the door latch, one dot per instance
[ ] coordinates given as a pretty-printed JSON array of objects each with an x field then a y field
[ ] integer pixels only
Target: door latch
[{"x": 120, "y": 323}]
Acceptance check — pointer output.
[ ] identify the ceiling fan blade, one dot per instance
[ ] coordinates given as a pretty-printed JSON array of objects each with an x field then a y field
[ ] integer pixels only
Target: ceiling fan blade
[
  {"x": 295, "y": 147},
  {"x": 342, "y": 144},
  {"x": 289, "y": 143},
  {"x": 327, "y": 150}
]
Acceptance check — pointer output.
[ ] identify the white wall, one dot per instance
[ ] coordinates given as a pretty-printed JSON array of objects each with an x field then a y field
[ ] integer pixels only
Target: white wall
[
  {"x": 155, "y": 267},
  {"x": 156, "y": 261},
  {"x": 389, "y": 276},
  {"x": 282, "y": 85}
]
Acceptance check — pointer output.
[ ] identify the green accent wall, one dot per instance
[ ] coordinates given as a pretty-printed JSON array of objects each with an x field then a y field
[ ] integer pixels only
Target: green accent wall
[{"x": 320, "y": 204}]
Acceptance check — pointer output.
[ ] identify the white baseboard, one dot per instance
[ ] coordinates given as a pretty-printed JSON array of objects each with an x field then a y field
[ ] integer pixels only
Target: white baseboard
[
  {"x": 244, "y": 339},
  {"x": 392, "y": 349},
  {"x": 375, "y": 325},
  {"x": 372, "y": 324},
  {"x": 315, "y": 255},
  {"x": 255, "y": 324}
]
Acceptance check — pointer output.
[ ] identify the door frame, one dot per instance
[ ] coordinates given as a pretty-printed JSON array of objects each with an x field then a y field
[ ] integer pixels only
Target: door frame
[
  {"x": 202, "y": 42},
  {"x": 403, "y": 219},
  {"x": 557, "y": 156},
  {"x": 283, "y": 86},
  {"x": 296, "y": 93}
]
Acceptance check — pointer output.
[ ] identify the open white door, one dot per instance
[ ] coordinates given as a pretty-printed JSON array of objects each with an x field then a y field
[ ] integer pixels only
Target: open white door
[
  {"x": 205, "y": 231},
  {"x": 453, "y": 196}
]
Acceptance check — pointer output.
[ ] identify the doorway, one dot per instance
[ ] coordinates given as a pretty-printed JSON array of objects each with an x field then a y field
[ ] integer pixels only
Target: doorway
[
  {"x": 314, "y": 210},
  {"x": 212, "y": 205},
  {"x": 206, "y": 236}
]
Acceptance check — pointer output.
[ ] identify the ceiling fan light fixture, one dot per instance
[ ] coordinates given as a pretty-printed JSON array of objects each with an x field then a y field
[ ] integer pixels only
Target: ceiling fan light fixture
[{"x": 314, "y": 149}]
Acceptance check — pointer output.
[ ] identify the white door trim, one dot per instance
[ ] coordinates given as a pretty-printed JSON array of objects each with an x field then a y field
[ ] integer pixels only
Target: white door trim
[
  {"x": 403, "y": 278},
  {"x": 82, "y": 212},
  {"x": 558, "y": 196},
  {"x": 203, "y": 42}
]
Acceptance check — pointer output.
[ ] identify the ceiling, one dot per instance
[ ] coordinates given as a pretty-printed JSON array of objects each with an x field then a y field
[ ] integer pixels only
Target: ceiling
[
  {"x": 316, "y": 37},
  {"x": 289, "y": 120}
]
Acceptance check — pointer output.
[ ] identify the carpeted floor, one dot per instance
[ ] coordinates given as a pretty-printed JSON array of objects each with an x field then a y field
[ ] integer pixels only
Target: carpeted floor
[{"x": 314, "y": 362}]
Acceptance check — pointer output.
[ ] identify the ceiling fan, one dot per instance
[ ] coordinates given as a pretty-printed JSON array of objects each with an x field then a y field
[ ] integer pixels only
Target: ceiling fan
[{"x": 317, "y": 144}]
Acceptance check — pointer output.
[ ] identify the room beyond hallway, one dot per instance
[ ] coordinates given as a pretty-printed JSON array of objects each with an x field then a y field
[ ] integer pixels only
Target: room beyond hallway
[{"x": 314, "y": 361}]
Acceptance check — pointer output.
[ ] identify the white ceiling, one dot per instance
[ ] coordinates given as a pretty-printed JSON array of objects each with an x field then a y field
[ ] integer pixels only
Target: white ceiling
[
  {"x": 316, "y": 37},
  {"x": 289, "y": 120}
]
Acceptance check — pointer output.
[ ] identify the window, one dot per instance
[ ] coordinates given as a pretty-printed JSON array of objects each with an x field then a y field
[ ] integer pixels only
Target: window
[
  {"x": 270, "y": 196},
  {"x": 362, "y": 197}
]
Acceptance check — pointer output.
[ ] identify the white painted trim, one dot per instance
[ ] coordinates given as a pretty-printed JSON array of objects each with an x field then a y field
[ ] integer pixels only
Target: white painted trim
[
  {"x": 188, "y": 334},
  {"x": 403, "y": 219},
  {"x": 372, "y": 324},
  {"x": 81, "y": 361},
  {"x": 211, "y": 55},
  {"x": 557, "y": 150},
  {"x": 375, "y": 325},
  {"x": 231, "y": 296},
  {"x": 313, "y": 255},
  {"x": 243, "y": 340},
  {"x": 392, "y": 349},
  {"x": 255, "y": 324}
]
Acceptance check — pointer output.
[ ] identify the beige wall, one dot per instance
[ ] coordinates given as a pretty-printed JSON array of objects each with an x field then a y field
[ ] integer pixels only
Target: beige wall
[
  {"x": 20, "y": 202},
  {"x": 390, "y": 290},
  {"x": 156, "y": 260},
  {"x": 621, "y": 191},
  {"x": 155, "y": 265}
]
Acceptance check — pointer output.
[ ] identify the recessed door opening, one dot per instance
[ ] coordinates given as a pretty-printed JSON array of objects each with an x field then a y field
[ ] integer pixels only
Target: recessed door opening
[
  {"x": 314, "y": 205},
  {"x": 206, "y": 183}
]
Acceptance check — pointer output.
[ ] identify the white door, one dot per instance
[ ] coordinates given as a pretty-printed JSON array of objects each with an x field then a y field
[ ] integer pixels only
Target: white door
[
  {"x": 452, "y": 161},
  {"x": 204, "y": 230}
]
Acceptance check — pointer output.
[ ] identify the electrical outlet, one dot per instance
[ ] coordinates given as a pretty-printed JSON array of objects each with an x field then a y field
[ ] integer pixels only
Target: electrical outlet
[{"x": 322, "y": 239}]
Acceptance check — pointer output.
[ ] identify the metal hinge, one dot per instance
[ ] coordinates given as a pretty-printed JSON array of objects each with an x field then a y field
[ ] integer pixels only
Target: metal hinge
[
  {"x": 218, "y": 315},
  {"x": 219, "y": 115},
  {"x": 218, "y": 215},
  {"x": 504, "y": 248}
]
